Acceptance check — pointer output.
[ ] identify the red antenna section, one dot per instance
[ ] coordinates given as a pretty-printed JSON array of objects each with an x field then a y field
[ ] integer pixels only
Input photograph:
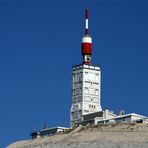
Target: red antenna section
[{"x": 86, "y": 42}]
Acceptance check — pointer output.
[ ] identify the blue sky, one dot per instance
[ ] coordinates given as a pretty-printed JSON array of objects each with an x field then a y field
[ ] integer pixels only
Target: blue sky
[{"x": 39, "y": 42}]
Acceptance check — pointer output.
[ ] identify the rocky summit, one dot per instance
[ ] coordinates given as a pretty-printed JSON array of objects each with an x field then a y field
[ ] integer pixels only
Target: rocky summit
[{"x": 122, "y": 135}]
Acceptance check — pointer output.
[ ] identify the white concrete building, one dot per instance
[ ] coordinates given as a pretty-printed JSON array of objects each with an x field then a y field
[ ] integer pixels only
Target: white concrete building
[
  {"x": 120, "y": 118},
  {"x": 107, "y": 117},
  {"x": 93, "y": 118},
  {"x": 86, "y": 91}
]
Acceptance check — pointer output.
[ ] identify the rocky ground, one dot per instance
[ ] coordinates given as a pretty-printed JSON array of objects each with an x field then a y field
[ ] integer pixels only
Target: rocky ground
[{"x": 127, "y": 135}]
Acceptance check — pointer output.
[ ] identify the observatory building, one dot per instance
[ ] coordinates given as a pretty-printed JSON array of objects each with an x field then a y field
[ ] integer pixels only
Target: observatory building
[
  {"x": 86, "y": 91},
  {"x": 86, "y": 82}
]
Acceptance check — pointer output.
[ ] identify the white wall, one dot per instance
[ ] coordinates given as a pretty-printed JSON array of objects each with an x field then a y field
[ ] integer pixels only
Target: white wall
[{"x": 86, "y": 91}]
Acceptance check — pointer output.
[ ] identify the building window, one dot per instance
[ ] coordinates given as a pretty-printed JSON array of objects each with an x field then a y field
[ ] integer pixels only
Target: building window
[
  {"x": 96, "y": 92},
  {"x": 96, "y": 77},
  {"x": 74, "y": 100},
  {"x": 75, "y": 107},
  {"x": 80, "y": 105},
  {"x": 73, "y": 92},
  {"x": 76, "y": 92},
  {"x": 91, "y": 91},
  {"x": 92, "y": 106},
  {"x": 80, "y": 76},
  {"x": 80, "y": 113},
  {"x": 91, "y": 76},
  {"x": 87, "y": 99},
  {"x": 80, "y": 90},
  {"x": 72, "y": 115},
  {"x": 79, "y": 99},
  {"x": 73, "y": 77},
  {"x": 95, "y": 83},
  {"x": 75, "y": 115},
  {"x": 86, "y": 90},
  {"x": 86, "y": 75}
]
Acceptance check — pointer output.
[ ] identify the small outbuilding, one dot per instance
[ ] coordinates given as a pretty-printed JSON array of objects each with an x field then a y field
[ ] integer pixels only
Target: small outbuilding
[
  {"x": 121, "y": 118},
  {"x": 47, "y": 132}
]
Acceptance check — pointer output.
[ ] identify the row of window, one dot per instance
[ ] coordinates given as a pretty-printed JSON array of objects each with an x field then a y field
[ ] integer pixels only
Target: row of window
[
  {"x": 91, "y": 82},
  {"x": 91, "y": 76},
  {"x": 92, "y": 99},
  {"x": 77, "y": 77},
  {"x": 88, "y": 76},
  {"x": 77, "y": 91},
  {"x": 77, "y": 85},
  {"x": 86, "y": 111},
  {"x": 77, "y": 99},
  {"x": 91, "y": 91},
  {"x": 77, "y": 114},
  {"x": 92, "y": 106},
  {"x": 77, "y": 106}
]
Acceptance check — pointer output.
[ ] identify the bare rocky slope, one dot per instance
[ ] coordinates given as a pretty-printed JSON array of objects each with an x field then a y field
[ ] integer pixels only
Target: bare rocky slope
[{"x": 125, "y": 135}]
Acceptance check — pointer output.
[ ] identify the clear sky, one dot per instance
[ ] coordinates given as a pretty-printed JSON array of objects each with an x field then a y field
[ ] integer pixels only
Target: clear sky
[{"x": 39, "y": 42}]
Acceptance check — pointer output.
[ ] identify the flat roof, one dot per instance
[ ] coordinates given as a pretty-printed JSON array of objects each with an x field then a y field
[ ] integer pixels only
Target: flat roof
[
  {"x": 124, "y": 116},
  {"x": 53, "y": 128},
  {"x": 79, "y": 66}
]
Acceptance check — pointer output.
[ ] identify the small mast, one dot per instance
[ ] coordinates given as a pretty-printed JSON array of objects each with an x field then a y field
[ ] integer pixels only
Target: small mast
[
  {"x": 86, "y": 21},
  {"x": 86, "y": 43}
]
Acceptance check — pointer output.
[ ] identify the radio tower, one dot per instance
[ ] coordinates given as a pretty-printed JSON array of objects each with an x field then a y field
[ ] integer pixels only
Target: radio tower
[{"x": 86, "y": 83}]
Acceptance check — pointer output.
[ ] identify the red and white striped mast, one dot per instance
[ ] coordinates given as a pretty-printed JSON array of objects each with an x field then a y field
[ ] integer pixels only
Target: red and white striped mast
[{"x": 86, "y": 43}]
